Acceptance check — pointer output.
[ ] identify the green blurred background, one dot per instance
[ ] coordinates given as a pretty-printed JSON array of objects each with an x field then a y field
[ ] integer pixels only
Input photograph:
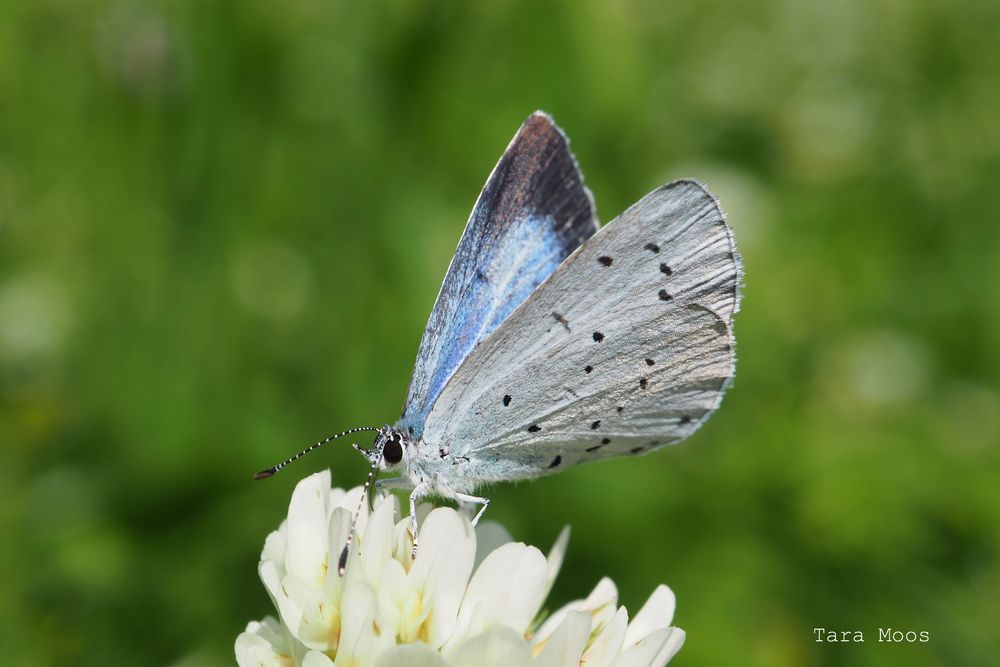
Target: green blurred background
[{"x": 223, "y": 225}]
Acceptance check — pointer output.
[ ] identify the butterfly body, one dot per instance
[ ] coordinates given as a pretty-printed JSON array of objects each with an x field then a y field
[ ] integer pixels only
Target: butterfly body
[{"x": 444, "y": 471}]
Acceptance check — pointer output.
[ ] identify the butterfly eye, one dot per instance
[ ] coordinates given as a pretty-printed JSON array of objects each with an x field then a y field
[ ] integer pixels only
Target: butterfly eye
[{"x": 392, "y": 451}]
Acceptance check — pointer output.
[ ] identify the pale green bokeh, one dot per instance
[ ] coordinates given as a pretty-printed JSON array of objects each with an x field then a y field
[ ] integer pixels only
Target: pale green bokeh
[{"x": 223, "y": 224}]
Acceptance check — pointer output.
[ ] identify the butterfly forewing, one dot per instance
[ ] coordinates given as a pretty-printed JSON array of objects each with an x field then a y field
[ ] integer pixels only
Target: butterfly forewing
[
  {"x": 532, "y": 213},
  {"x": 625, "y": 348}
]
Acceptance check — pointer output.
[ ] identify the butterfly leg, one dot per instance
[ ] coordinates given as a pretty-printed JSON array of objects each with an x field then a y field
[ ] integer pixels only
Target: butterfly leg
[
  {"x": 384, "y": 485},
  {"x": 485, "y": 502},
  {"x": 419, "y": 492}
]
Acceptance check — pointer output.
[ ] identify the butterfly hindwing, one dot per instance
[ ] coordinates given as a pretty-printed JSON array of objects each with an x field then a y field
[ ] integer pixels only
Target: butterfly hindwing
[
  {"x": 532, "y": 213},
  {"x": 626, "y": 347}
]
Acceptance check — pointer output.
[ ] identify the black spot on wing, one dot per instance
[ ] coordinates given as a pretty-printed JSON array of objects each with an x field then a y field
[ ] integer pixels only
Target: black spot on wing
[
  {"x": 685, "y": 419},
  {"x": 636, "y": 450},
  {"x": 664, "y": 295},
  {"x": 555, "y": 462},
  {"x": 649, "y": 362},
  {"x": 598, "y": 336},
  {"x": 506, "y": 400},
  {"x": 652, "y": 247},
  {"x": 596, "y": 425},
  {"x": 619, "y": 409},
  {"x": 594, "y": 448},
  {"x": 666, "y": 270},
  {"x": 605, "y": 260},
  {"x": 588, "y": 369},
  {"x": 643, "y": 383},
  {"x": 605, "y": 441},
  {"x": 534, "y": 428}
]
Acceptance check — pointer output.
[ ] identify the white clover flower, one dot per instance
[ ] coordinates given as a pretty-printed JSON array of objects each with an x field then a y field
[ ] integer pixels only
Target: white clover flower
[{"x": 470, "y": 597}]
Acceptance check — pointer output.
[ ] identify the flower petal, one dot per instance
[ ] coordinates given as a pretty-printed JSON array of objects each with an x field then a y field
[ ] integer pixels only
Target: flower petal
[
  {"x": 507, "y": 589},
  {"x": 602, "y": 601},
  {"x": 497, "y": 647},
  {"x": 316, "y": 659},
  {"x": 656, "y": 614},
  {"x": 262, "y": 656},
  {"x": 553, "y": 622},
  {"x": 262, "y": 644},
  {"x": 375, "y": 546},
  {"x": 274, "y": 547},
  {"x": 318, "y": 623},
  {"x": 289, "y": 611},
  {"x": 555, "y": 558},
  {"x": 670, "y": 648},
  {"x": 430, "y": 602},
  {"x": 489, "y": 536},
  {"x": 444, "y": 560},
  {"x": 352, "y": 501},
  {"x": 306, "y": 550},
  {"x": 402, "y": 538},
  {"x": 336, "y": 532},
  {"x": 565, "y": 647},
  {"x": 392, "y": 590},
  {"x": 411, "y": 655},
  {"x": 608, "y": 644},
  {"x": 359, "y": 643},
  {"x": 654, "y": 650},
  {"x": 600, "y": 604},
  {"x": 402, "y": 544}
]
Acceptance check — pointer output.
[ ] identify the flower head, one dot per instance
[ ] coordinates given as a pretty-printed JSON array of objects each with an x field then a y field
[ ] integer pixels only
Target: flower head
[{"x": 470, "y": 597}]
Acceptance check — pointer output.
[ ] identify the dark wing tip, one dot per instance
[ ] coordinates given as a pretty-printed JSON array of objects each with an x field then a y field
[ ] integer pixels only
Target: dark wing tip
[
  {"x": 541, "y": 117},
  {"x": 540, "y": 126},
  {"x": 539, "y": 139}
]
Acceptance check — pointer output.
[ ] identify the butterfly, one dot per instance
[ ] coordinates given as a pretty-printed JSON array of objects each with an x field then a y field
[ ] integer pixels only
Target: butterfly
[{"x": 555, "y": 341}]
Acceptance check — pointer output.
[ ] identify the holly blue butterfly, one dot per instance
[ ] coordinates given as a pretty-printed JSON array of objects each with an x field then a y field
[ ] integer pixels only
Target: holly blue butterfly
[{"x": 554, "y": 341}]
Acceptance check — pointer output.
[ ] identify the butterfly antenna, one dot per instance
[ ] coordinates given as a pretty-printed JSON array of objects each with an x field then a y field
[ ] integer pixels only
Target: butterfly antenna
[
  {"x": 264, "y": 474},
  {"x": 376, "y": 459}
]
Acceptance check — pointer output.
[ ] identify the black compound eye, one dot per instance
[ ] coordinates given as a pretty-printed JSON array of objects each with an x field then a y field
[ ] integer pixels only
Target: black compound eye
[{"x": 392, "y": 451}]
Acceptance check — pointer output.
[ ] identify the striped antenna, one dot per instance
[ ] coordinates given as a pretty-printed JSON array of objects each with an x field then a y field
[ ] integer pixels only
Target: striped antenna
[
  {"x": 376, "y": 460},
  {"x": 264, "y": 474}
]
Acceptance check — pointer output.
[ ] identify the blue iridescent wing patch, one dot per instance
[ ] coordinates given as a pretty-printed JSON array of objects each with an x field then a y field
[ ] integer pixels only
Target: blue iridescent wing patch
[{"x": 532, "y": 213}]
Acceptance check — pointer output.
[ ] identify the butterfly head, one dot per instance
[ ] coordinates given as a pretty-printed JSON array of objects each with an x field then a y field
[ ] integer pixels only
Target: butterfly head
[{"x": 388, "y": 452}]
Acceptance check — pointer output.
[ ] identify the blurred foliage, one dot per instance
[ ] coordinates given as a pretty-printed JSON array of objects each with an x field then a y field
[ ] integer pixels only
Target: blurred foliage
[{"x": 223, "y": 224}]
